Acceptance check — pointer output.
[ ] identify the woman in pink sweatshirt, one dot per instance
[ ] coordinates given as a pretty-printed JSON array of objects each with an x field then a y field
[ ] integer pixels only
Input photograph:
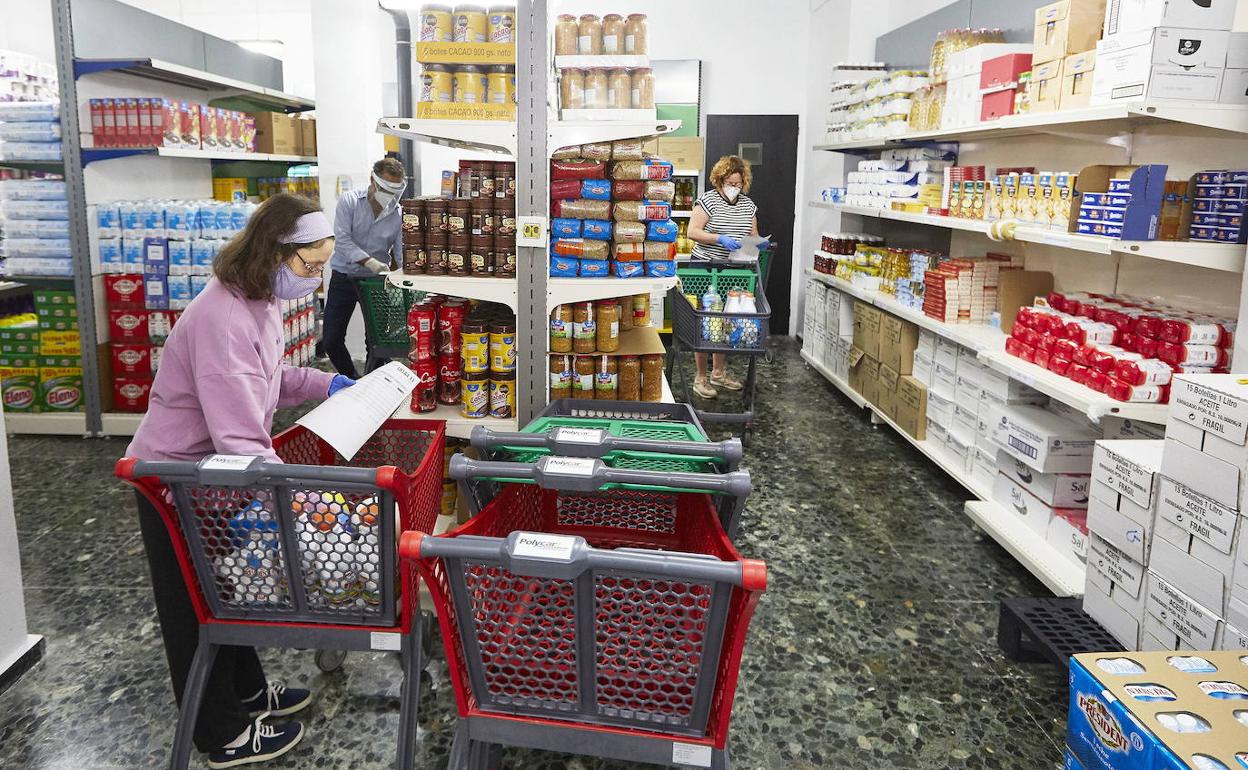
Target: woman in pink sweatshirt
[{"x": 220, "y": 380}]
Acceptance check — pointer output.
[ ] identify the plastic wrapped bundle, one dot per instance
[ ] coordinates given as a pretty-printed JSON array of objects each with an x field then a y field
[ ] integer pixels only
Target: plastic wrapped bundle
[
  {"x": 581, "y": 169},
  {"x": 630, "y": 190},
  {"x": 629, "y": 232},
  {"x": 628, "y": 149},
  {"x": 596, "y": 151},
  {"x": 580, "y": 248},
  {"x": 645, "y": 170},
  {"x": 642, "y": 211},
  {"x": 582, "y": 209}
]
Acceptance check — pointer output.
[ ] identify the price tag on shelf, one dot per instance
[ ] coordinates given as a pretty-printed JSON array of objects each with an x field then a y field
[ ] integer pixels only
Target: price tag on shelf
[{"x": 531, "y": 231}]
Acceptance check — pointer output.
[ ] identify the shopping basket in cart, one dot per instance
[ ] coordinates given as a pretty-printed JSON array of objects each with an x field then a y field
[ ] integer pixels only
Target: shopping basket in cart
[
  {"x": 621, "y": 445},
  {"x": 706, "y": 330},
  {"x": 385, "y": 310},
  {"x": 302, "y": 554},
  {"x": 607, "y": 623}
]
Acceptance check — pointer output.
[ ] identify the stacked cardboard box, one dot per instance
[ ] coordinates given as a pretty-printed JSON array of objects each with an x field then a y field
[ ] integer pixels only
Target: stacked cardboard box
[
  {"x": 828, "y": 327},
  {"x": 1066, "y": 33}
]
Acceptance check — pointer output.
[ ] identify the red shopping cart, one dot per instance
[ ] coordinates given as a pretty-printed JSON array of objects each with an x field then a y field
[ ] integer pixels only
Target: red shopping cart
[
  {"x": 601, "y": 622},
  {"x": 302, "y": 554}
]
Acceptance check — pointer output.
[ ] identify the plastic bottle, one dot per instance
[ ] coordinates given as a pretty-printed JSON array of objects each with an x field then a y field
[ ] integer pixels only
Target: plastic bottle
[{"x": 711, "y": 302}]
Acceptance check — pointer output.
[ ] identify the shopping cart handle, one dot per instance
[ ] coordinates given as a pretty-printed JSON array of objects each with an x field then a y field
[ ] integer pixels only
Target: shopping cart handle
[
  {"x": 244, "y": 470},
  {"x": 594, "y": 442},
  {"x": 582, "y": 474}
]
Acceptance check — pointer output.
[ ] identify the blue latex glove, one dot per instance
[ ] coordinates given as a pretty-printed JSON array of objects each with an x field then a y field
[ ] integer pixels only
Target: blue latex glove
[
  {"x": 729, "y": 243},
  {"x": 339, "y": 382}
]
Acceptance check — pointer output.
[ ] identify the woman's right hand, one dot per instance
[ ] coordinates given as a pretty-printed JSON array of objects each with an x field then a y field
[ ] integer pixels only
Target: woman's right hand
[{"x": 729, "y": 243}]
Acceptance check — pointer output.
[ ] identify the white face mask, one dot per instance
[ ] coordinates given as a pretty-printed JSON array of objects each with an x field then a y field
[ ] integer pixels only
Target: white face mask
[
  {"x": 386, "y": 192},
  {"x": 731, "y": 193}
]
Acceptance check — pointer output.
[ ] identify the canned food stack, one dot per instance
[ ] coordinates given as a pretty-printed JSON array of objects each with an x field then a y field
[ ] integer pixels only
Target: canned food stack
[
  {"x": 616, "y": 354},
  {"x": 463, "y": 356},
  {"x": 603, "y": 64},
  {"x": 1125, "y": 347},
  {"x": 468, "y": 59},
  {"x": 611, "y": 207},
  {"x": 473, "y": 234}
]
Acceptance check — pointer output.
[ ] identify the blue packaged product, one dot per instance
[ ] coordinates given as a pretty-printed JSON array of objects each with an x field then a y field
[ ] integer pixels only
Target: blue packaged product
[
  {"x": 1230, "y": 235},
  {"x": 561, "y": 227},
  {"x": 661, "y": 269},
  {"x": 1100, "y": 228},
  {"x": 1204, "y": 233},
  {"x": 132, "y": 254},
  {"x": 198, "y": 284},
  {"x": 1239, "y": 176},
  {"x": 597, "y": 229},
  {"x": 1230, "y": 207},
  {"x": 1119, "y": 185},
  {"x": 596, "y": 189},
  {"x": 595, "y": 268},
  {"x": 664, "y": 231},
  {"x": 180, "y": 220},
  {"x": 628, "y": 269},
  {"x": 152, "y": 216},
  {"x": 155, "y": 292},
  {"x": 111, "y": 259},
  {"x": 180, "y": 257},
  {"x": 108, "y": 220},
  {"x": 1070, "y": 762},
  {"x": 202, "y": 254},
  {"x": 563, "y": 267},
  {"x": 179, "y": 291},
  {"x": 1235, "y": 192},
  {"x": 240, "y": 212},
  {"x": 1117, "y": 200}
]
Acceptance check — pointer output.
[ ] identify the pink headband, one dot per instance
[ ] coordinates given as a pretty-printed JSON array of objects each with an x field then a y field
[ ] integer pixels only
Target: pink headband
[{"x": 309, "y": 228}]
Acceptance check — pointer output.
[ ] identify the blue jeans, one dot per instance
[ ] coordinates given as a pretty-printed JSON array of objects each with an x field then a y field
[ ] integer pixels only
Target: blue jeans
[{"x": 340, "y": 301}]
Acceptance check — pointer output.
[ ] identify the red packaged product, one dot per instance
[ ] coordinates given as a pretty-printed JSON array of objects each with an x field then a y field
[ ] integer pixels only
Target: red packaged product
[
  {"x": 451, "y": 317},
  {"x": 1090, "y": 333},
  {"x": 125, "y": 291},
  {"x": 1066, "y": 349},
  {"x": 1147, "y": 371},
  {"x": 450, "y": 374},
  {"x": 578, "y": 169},
  {"x": 1137, "y": 394},
  {"x": 1078, "y": 373},
  {"x": 421, "y": 331},
  {"x": 130, "y": 394},
  {"x": 1041, "y": 358},
  {"x": 1193, "y": 355},
  {"x": 563, "y": 189},
  {"x": 1129, "y": 341},
  {"x": 1088, "y": 310},
  {"x": 131, "y": 359},
  {"x": 628, "y": 190},
  {"x": 425, "y": 396},
  {"x": 1028, "y": 337},
  {"x": 1097, "y": 380},
  {"x": 1059, "y": 365},
  {"x": 127, "y": 325},
  {"x": 1018, "y": 348},
  {"x": 1147, "y": 347},
  {"x": 1051, "y": 324},
  {"x": 1190, "y": 332},
  {"x": 1045, "y": 343},
  {"x": 1148, "y": 325},
  {"x": 1057, "y": 301},
  {"x": 1026, "y": 318}
]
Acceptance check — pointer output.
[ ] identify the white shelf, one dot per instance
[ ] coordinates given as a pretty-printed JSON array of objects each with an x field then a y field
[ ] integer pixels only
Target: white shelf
[
  {"x": 566, "y": 133},
  {"x": 457, "y": 426},
  {"x": 497, "y": 136},
  {"x": 989, "y": 344},
  {"x": 501, "y": 290},
  {"x": 1107, "y": 120},
  {"x": 1061, "y": 575},
  {"x": 1227, "y": 257},
  {"x": 169, "y": 72},
  {"x": 46, "y": 424},
  {"x": 562, "y": 291},
  {"x": 607, "y": 61},
  {"x": 120, "y": 423},
  {"x": 111, "y": 153}
]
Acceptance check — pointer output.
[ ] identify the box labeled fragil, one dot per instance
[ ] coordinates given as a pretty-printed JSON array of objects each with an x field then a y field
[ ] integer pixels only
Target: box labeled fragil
[
  {"x": 1136, "y": 15},
  {"x": 1120, "y": 623},
  {"x": 1187, "y": 565},
  {"x": 1198, "y": 516},
  {"x": 1161, "y": 63},
  {"x": 1202, "y": 471},
  {"x": 1121, "y": 522},
  {"x": 1169, "y": 610},
  {"x": 1117, "y": 428},
  {"x": 1058, "y": 490},
  {"x": 1131, "y": 468},
  {"x": 1117, "y": 574},
  {"x": 1042, "y": 440},
  {"x": 1235, "y": 82}
]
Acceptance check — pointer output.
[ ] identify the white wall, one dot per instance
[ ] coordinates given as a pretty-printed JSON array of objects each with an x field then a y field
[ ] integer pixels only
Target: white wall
[{"x": 27, "y": 28}]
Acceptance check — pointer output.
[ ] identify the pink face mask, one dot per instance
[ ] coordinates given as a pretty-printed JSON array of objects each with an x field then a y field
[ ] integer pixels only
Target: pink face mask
[{"x": 287, "y": 285}]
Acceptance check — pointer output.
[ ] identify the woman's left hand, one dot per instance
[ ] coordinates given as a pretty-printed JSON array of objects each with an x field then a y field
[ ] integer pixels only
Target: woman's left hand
[{"x": 339, "y": 382}]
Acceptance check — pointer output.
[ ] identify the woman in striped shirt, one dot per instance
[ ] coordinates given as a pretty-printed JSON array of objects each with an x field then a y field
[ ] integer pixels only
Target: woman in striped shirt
[{"x": 722, "y": 216}]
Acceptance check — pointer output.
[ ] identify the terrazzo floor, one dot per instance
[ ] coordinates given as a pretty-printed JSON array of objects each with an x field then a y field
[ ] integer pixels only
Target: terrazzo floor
[{"x": 873, "y": 648}]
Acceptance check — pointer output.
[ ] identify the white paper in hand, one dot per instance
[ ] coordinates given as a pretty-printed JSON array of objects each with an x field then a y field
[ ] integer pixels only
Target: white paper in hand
[
  {"x": 750, "y": 246},
  {"x": 350, "y": 417}
]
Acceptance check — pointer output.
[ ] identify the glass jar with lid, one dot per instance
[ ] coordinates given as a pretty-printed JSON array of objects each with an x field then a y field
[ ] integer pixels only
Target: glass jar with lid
[
  {"x": 567, "y": 33},
  {"x": 619, "y": 89},
  {"x": 613, "y": 34},
  {"x": 589, "y": 35},
  {"x": 635, "y": 35},
  {"x": 643, "y": 89},
  {"x": 596, "y": 89},
  {"x": 572, "y": 89}
]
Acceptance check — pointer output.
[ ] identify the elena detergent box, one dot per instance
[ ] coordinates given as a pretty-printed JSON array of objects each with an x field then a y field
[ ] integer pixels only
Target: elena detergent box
[
  {"x": 19, "y": 383},
  {"x": 1159, "y": 711},
  {"x": 60, "y": 384}
]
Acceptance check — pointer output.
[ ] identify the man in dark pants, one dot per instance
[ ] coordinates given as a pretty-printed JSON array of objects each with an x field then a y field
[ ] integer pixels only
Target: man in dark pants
[{"x": 368, "y": 228}]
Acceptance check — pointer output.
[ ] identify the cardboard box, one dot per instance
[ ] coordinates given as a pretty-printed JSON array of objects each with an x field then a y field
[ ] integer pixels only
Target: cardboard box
[
  {"x": 1130, "y": 468},
  {"x": 1046, "y": 86},
  {"x": 60, "y": 343},
  {"x": 277, "y": 133},
  {"x": 947, "y": 353},
  {"x": 1136, "y": 15},
  {"x": 1235, "y": 82},
  {"x": 898, "y": 341},
  {"x": 1120, "y": 623},
  {"x": 60, "y": 384},
  {"x": 1122, "y": 523},
  {"x": 870, "y": 379},
  {"x": 1066, "y": 27},
  {"x": 1162, "y": 63},
  {"x": 19, "y": 383},
  {"x": 867, "y": 320},
  {"x": 123, "y": 291},
  {"x": 307, "y": 137},
  {"x": 128, "y": 325},
  {"x": 1206, "y": 584},
  {"x": 1169, "y": 610},
  {"x": 1068, "y": 534},
  {"x": 131, "y": 359},
  {"x": 1018, "y": 289},
  {"x": 1189, "y": 514},
  {"x": 912, "y": 407},
  {"x": 683, "y": 152},
  {"x": 1147, "y": 188},
  {"x": 886, "y": 394},
  {"x": 1042, "y": 440},
  {"x": 1118, "y": 428},
  {"x": 1018, "y": 503},
  {"x": 1212, "y": 477},
  {"x": 1118, "y": 576},
  {"x": 1078, "y": 73},
  {"x": 939, "y": 410},
  {"x": 1057, "y": 490},
  {"x": 854, "y": 378},
  {"x": 130, "y": 394}
]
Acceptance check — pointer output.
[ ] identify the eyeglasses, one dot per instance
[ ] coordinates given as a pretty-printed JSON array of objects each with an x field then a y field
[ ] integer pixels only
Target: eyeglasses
[{"x": 311, "y": 268}]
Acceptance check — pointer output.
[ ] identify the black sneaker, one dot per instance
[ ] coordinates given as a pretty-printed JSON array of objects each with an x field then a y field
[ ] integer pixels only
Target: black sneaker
[
  {"x": 278, "y": 700},
  {"x": 266, "y": 742}
]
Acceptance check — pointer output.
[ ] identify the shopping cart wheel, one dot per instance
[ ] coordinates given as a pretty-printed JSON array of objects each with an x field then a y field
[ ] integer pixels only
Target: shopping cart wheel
[{"x": 330, "y": 660}]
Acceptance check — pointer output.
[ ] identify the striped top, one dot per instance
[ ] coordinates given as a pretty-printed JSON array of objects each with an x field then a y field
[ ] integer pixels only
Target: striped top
[{"x": 735, "y": 219}]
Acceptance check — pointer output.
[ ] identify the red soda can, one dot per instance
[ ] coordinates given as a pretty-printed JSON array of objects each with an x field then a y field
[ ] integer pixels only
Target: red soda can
[
  {"x": 421, "y": 326},
  {"x": 425, "y": 396},
  {"x": 450, "y": 372}
]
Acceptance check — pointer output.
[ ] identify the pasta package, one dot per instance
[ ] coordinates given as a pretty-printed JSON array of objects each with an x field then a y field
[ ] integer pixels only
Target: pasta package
[
  {"x": 661, "y": 231},
  {"x": 596, "y": 151},
  {"x": 563, "y": 267},
  {"x": 642, "y": 211},
  {"x": 629, "y": 232},
  {"x": 565, "y": 228},
  {"x": 584, "y": 169},
  {"x": 595, "y": 268},
  {"x": 566, "y": 153},
  {"x": 661, "y": 269},
  {"x": 645, "y": 170},
  {"x": 628, "y": 149},
  {"x": 580, "y": 248},
  {"x": 629, "y": 252},
  {"x": 565, "y": 188},
  {"x": 658, "y": 251},
  {"x": 597, "y": 229},
  {"x": 629, "y": 269},
  {"x": 582, "y": 208},
  {"x": 660, "y": 191},
  {"x": 632, "y": 190},
  {"x": 596, "y": 189}
]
